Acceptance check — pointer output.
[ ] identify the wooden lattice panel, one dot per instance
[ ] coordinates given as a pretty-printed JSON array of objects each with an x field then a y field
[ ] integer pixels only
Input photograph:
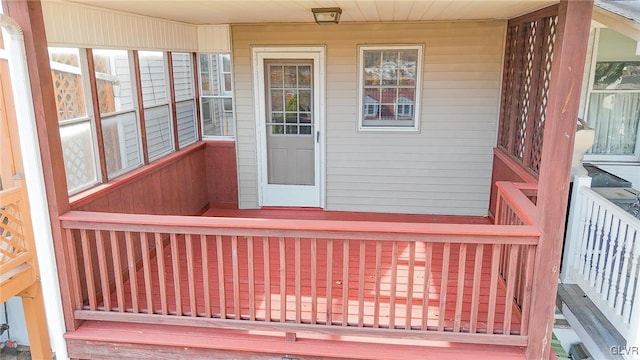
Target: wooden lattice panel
[
  {"x": 528, "y": 59},
  {"x": 68, "y": 94},
  {"x": 12, "y": 240}
]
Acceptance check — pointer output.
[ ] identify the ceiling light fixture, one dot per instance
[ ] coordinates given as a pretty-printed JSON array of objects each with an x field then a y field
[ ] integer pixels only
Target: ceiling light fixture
[{"x": 327, "y": 15}]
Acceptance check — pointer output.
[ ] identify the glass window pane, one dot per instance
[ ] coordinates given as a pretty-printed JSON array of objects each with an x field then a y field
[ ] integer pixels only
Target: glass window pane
[
  {"x": 226, "y": 62},
  {"x": 304, "y": 100},
  {"x": 277, "y": 117},
  {"x": 187, "y": 126},
  {"x": 157, "y": 123},
  {"x": 67, "y": 83},
  {"x": 389, "y": 68},
  {"x": 153, "y": 78},
  {"x": 113, "y": 78},
  {"x": 276, "y": 76},
  {"x": 206, "y": 83},
  {"x": 182, "y": 75},
  {"x": 617, "y": 75},
  {"x": 290, "y": 76},
  {"x": 304, "y": 76},
  {"x": 277, "y": 100},
  {"x": 615, "y": 118},
  {"x": 407, "y": 67},
  {"x": 291, "y": 100},
  {"x": 216, "y": 121},
  {"x": 79, "y": 157},
  {"x": 121, "y": 143}
]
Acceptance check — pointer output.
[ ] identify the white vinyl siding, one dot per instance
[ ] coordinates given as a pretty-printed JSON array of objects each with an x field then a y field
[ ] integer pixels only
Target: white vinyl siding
[{"x": 443, "y": 169}]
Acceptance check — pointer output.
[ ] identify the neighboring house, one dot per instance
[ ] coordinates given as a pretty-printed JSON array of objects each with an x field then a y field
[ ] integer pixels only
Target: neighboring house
[
  {"x": 267, "y": 186},
  {"x": 600, "y": 272}
]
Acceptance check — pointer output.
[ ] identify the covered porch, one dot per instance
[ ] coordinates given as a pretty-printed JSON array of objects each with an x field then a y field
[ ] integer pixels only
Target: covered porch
[
  {"x": 147, "y": 263},
  {"x": 408, "y": 279}
]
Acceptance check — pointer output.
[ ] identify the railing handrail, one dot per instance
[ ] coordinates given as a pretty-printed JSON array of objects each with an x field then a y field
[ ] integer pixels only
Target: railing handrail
[
  {"x": 513, "y": 194},
  {"x": 615, "y": 209},
  {"x": 365, "y": 230}
]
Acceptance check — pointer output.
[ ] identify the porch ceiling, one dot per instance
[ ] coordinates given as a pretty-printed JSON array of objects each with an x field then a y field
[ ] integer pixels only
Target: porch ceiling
[{"x": 299, "y": 11}]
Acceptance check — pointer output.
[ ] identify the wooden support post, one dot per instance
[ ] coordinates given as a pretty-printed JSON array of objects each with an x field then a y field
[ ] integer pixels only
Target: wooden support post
[
  {"x": 574, "y": 20},
  {"x": 28, "y": 14},
  {"x": 33, "y": 305}
]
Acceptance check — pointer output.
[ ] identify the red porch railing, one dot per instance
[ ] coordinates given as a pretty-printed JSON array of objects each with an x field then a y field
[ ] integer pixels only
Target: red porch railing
[{"x": 406, "y": 280}]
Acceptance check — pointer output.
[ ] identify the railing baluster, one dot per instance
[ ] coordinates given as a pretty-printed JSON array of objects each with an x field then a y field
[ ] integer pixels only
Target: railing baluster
[
  {"x": 627, "y": 277},
  {"x": 161, "y": 273},
  {"x": 597, "y": 247},
  {"x": 623, "y": 274},
  {"x": 613, "y": 288},
  {"x": 345, "y": 282},
  {"x": 236, "y": 278},
  {"x": 329, "y": 281},
  {"x": 593, "y": 224},
  {"x": 132, "y": 270},
  {"x": 88, "y": 270},
  {"x": 267, "y": 278},
  {"x": 475, "y": 295},
  {"x": 298, "y": 269},
  {"x": 146, "y": 268},
  {"x": 604, "y": 251},
  {"x": 252, "y": 280},
  {"x": 427, "y": 285},
  {"x": 205, "y": 275},
  {"x": 608, "y": 271},
  {"x": 378, "y": 275},
  {"x": 444, "y": 282},
  {"x": 221, "y": 284},
  {"x": 509, "y": 294},
  {"x": 314, "y": 280},
  {"x": 117, "y": 269},
  {"x": 633, "y": 274},
  {"x": 75, "y": 269},
  {"x": 462, "y": 261},
  {"x": 412, "y": 263},
  {"x": 191, "y": 276},
  {"x": 393, "y": 285},
  {"x": 104, "y": 271},
  {"x": 175, "y": 255},
  {"x": 493, "y": 287},
  {"x": 578, "y": 262},
  {"x": 283, "y": 279},
  {"x": 585, "y": 237},
  {"x": 361, "y": 274}
]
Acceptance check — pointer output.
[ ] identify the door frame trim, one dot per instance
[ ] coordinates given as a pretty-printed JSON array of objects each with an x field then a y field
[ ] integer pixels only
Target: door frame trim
[{"x": 317, "y": 54}]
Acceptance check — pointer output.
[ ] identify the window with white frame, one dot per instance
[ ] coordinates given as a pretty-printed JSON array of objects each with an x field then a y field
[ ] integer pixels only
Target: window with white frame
[
  {"x": 75, "y": 124},
  {"x": 390, "y": 84},
  {"x": 216, "y": 95},
  {"x": 117, "y": 104},
  {"x": 156, "y": 103},
  {"x": 614, "y": 110},
  {"x": 183, "y": 85}
]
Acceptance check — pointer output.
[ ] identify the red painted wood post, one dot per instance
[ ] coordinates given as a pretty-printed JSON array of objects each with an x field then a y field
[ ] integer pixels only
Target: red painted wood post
[
  {"x": 574, "y": 20},
  {"x": 28, "y": 14}
]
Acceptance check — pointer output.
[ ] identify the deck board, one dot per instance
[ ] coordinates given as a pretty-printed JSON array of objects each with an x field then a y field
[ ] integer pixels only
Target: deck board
[{"x": 101, "y": 340}]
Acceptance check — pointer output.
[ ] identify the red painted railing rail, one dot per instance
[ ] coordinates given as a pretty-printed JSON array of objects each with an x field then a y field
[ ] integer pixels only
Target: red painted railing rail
[{"x": 428, "y": 281}]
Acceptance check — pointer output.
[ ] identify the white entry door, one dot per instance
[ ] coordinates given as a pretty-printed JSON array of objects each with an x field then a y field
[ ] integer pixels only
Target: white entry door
[{"x": 290, "y": 127}]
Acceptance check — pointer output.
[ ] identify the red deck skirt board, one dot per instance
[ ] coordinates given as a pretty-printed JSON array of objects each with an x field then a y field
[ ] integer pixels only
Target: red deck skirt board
[
  {"x": 328, "y": 302},
  {"x": 319, "y": 214},
  {"x": 107, "y": 340}
]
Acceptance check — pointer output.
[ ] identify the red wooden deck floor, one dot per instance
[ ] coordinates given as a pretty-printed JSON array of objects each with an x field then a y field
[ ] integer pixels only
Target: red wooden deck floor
[{"x": 280, "y": 293}]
